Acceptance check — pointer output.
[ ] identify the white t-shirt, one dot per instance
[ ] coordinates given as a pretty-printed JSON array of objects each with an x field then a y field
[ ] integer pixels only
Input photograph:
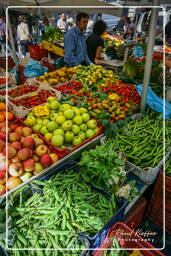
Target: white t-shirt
[
  {"x": 61, "y": 24},
  {"x": 22, "y": 31}
]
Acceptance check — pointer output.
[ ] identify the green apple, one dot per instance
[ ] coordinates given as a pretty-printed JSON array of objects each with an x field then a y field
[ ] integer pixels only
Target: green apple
[
  {"x": 54, "y": 105},
  {"x": 64, "y": 107},
  {"x": 45, "y": 122},
  {"x": 89, "y": 133},
  {"x": 96, "y": 130},
  {"x": 51, "y": 99},
  {"x": 60, "y": 119},
  {"x": 83, "y": 110},
  {"x": 77, "y": 111},
  {"x": 43, "y": 130},
  {"x": 60, "y": 113},
  {"x": 47, "y": 105},
  {"x": 92, "y": 124},
  {"x": 48, "y": 136},
  {"x": 82, "y": 136},
  {"x": 51, "y": 126},
  {"x": 69, "y": 136},
  {"x": 58, "y": 131},
  {"x": 85, "y": 117},
  {"x": 75, "y": 129},
  {"x": 83, "y": 127},
  {"x": 57, "y": 140},
  {"x": 39, "y": 121},
  {"x": 78, "y": 120},
  {"x": 53, "y": 116},
  {"x": 67, "y": 125},
  {"x": 30, "y": 121},
  {"x": 30, "y": 114},
  {"x": 69, "y": 114},
  {"x": 76, "y": 141},
  {"x": 37, "y": 127},
  {"x": 26, "y": 176},
  {"x": 38, "y": 168}
]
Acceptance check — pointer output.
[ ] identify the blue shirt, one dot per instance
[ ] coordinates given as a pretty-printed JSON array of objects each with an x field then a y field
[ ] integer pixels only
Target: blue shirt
[{"x": 75, "y": 48}]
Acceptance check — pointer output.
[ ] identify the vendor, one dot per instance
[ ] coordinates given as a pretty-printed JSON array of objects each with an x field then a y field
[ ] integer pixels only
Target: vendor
[
  {"x": 61, "y": 24},
  {"x": 95, "y": 43},
  {"x": 75, "y": 50}
]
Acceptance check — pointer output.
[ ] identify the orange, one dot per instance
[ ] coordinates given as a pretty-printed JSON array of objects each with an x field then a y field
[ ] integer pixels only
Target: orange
[
  {"x": 9, "y": 115},
  {"x": 2, "y": 118},
  {"x": 2, "y": 106}
]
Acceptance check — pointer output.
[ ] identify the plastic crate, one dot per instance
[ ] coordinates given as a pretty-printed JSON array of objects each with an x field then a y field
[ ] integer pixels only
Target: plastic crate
[
  {"x": 131, "y": 240},
  {"x": 135, "y": 215},
  {"x": 21, "y": 111},
  {"x": 11, "y": 64},
  {"x": 147, "y": 175},
  {"x": 65, "y": 151}
]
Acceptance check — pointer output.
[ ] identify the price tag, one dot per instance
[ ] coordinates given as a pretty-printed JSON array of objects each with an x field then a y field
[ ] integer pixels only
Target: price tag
[{"x": 41, "y": 110}]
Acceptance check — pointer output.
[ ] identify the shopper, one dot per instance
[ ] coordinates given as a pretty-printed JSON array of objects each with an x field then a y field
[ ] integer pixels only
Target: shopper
[
  {"x": 74, "y": 43},
  {"x": 44, "y": 26},
  {"x": 23, "y": 35},
  {"x": 128, "y": 29},
  {"x": 70, "y": 23},
  {"x": 61, "y": 24},
  {"x": 2, "y": 35},
  {"x": 95, "y": 42},
  {"x": 120, "y": 24},
  {"x": 168, "y": 31}
]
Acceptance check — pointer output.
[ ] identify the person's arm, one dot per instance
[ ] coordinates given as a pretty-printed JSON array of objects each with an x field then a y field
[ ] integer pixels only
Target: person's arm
[
  {"x": 98, "y": 53},
  {"x": 168, "y": 62},
  {"x": 69, "y": 47}
]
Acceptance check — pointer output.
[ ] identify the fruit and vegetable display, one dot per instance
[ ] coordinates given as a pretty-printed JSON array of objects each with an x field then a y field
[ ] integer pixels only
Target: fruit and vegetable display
[
  {"x": 53, "y": 35},
  {"x": 168, "y": 167},
  {"x": 141, "y": 142},
  {"x": 59, "y": 76},
  {"x": 105, "y": 169},
  {"x": 33, "y": 100},
  {"x": 26, "y": 153},
  {"x": 70, "y": 87},
  {"x": 95, "y": 76},
  {"x": 63, "y": 124},
  {"x": 19, "y": 91},
  {"x": 61, "y": 208},
  {"x": 3, "y": 80}
]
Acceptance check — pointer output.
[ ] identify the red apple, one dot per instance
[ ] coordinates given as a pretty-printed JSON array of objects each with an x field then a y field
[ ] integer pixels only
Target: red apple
[
  {"x": 19, "y": 129},
  {"x": 2, "y": 145},
  {"x": 5, "y": 129},
  {"x": 3, "y": 136},
  {"x": 54, "y": 157},
  {"x": 13, "y": 182},
  {"x": 14, "y": 136},
  {"x": 16, "y": 144},
  {"x": 2, "y": 125},
  {"x": 41, "y": 150},
  {"x": 26, "y": 131},
  {"x": 24, "y": 153},
  {"x": 11, "y": 152},
  {"x": 16, "y": 169},
  {"x": 46, "y": 160},
  {"x": 13, "y": 126},
  {"x": 2, "y": 165},
  {"x": 28, "y": 142},
  {"x": 2, "y": 189},
  {"x": 29, "y": 165}
]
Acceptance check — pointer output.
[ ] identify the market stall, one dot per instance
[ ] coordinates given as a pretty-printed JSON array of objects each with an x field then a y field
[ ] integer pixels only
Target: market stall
[{"x": 80, "y": 161}]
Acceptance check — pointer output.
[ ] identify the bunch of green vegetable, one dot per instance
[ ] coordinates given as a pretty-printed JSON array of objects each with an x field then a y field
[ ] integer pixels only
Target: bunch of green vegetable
[
  {"x": 102, "y": 167},
  {"x": 53, "y": 35},
  {"x": 53, "y": 218},
  {"x": 117, "y": 252},
  {"x": 168, "y": 167},
  {"x": 141, "y": 141}
]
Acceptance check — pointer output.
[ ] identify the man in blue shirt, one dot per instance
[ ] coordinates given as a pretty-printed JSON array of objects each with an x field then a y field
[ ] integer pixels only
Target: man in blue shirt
[{"x": 74, "y": 43}]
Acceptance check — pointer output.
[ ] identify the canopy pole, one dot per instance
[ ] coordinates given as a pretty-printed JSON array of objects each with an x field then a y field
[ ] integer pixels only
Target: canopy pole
[{"x": 149, "y": 54}]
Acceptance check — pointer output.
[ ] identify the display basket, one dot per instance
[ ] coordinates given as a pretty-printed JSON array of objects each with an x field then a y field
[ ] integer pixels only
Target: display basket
[
  {"x": 21, "y": 111},
  {"x": 127, "y": 239},
  {"x": 148, "y": 174}
]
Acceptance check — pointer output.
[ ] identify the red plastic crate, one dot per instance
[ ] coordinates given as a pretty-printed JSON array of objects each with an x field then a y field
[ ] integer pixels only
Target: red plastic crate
[
  {"x": 37, "y": 53},
  {"x": 127, "y": 239},
  {"x": 134, "y": 217}
]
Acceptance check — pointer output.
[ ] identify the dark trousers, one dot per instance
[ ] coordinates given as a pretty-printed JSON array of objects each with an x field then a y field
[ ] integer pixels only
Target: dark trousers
[{"x": 24, "y": 46}]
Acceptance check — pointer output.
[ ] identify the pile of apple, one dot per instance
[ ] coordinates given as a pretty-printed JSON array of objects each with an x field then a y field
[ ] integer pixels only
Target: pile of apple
[
  {"x": 64, "y": 124},
  {"x": 27, "y": 156}
]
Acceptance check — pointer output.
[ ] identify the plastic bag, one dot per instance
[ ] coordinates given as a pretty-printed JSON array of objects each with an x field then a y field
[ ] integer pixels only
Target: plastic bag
[
  {"x": 34, "y": 69},
  {"x": 154, "y": 102},
  {"x": 138, "y": 52}
]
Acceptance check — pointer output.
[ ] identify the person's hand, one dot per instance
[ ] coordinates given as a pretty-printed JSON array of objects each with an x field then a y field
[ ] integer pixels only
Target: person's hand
[{"x": 168, "y": 62}]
